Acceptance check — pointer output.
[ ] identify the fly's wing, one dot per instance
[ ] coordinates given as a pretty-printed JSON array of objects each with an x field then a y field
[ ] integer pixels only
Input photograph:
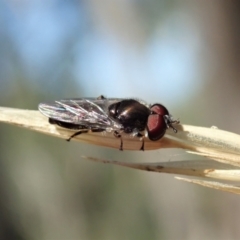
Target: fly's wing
[{"x": 89, "y": 112}]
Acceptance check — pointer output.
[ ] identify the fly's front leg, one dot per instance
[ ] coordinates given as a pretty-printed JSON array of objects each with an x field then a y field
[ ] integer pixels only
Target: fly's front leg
[
  {"x": 169, "y": 121},
  {"x": 118, "y": 135}
]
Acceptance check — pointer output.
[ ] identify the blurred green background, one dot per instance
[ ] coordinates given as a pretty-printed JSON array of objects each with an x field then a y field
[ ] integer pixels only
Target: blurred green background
[{"x": 184, "y": 54}]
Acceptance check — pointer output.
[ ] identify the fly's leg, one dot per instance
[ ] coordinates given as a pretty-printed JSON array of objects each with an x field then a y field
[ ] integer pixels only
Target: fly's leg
[
  {"x": 85, "y": 131},
  {"x": 143, "y": 144},
  {"x": 118, "y": 135},
  {"x": 136, "y": 133},
  {"x": 73, "y": 126},
  {"x": 141, "y": 136},
  {"x": 76, "y": 134},
  {"x": 169, "y": 121}
]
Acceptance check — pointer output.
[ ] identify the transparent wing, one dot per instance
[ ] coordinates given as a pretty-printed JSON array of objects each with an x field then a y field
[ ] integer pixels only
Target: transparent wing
[{"x": 90, "y": 112}]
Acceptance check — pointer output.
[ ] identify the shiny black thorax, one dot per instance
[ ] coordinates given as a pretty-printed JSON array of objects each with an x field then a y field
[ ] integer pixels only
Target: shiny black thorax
[{"x": 131, "y": 114}]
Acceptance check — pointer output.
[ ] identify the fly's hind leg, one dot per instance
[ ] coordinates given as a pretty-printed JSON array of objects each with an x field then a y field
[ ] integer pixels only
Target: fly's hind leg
[
  {"x": 118, "y": 135},
  {"x": 76, "y": 134},
  {"x": 85, "y": 131}
]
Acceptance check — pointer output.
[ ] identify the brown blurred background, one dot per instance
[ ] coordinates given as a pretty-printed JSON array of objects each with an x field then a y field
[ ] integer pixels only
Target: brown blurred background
[{"x": 184, "y": 54}]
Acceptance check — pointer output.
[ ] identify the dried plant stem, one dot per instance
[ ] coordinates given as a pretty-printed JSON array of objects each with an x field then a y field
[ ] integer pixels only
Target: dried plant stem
[{"x": 219, "y": 145}]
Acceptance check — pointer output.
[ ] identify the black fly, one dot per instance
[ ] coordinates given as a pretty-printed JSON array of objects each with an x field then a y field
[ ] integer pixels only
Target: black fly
[{"x": 111, "y": 115}]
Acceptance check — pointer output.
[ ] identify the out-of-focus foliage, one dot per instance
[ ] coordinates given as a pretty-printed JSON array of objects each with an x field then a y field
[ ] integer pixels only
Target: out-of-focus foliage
[{"x": 183, "y": 54}]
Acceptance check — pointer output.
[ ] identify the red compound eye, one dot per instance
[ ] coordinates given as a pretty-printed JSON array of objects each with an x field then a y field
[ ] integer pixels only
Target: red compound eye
[
  {"x": 156, "y": 125},
  {"x": 159, "y": 109}
]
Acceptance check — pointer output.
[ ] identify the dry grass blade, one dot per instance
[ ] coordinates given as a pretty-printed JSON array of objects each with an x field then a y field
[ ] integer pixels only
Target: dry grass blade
[
  {"x": 219, "y": 145},
  {"x": 196, "y": 168},
  {"x": 215, "y": 185},
  {"x": 208, "y": 141}
]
